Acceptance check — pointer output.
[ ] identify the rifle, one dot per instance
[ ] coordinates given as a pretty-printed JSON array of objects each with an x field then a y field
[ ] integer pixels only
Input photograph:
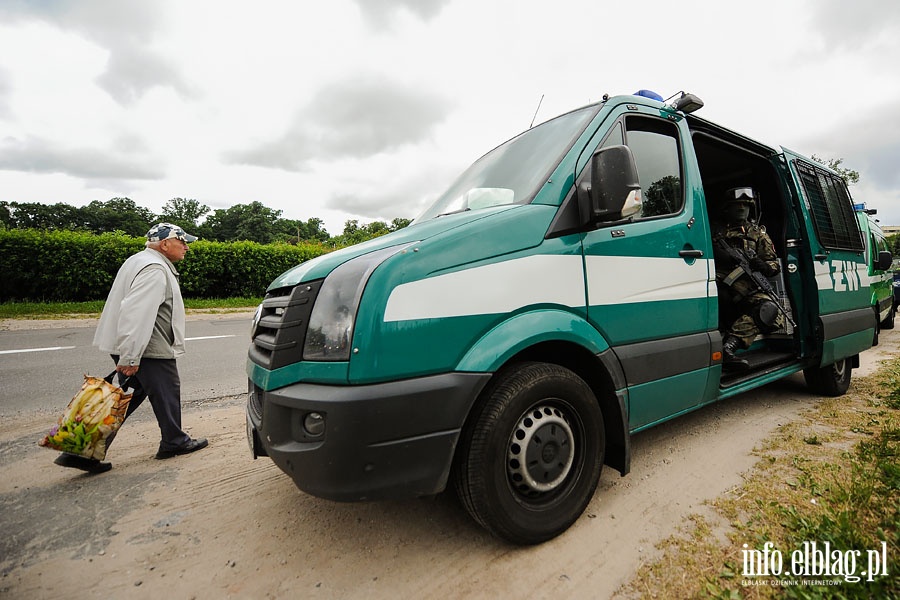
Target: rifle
[{"x": 762, "y": 284}]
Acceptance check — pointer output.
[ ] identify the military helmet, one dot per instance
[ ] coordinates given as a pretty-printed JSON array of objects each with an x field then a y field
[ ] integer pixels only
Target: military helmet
[{"x": 741, "y": 194}]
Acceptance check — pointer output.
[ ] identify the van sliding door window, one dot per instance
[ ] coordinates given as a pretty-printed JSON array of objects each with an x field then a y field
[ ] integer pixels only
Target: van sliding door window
[
  {"x": 831, "y": 208},
  {"x": 654, "y": 144}
]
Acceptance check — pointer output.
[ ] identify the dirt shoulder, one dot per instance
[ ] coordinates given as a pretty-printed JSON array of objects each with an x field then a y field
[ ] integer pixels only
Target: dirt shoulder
[{"x": 219, "y": 524}]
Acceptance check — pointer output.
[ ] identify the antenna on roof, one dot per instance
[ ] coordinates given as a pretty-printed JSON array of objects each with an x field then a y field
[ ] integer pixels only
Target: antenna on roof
[{"x": 536, "y": 111}]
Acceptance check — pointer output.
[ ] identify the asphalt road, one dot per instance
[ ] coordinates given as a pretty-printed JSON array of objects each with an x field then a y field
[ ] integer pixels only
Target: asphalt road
[{"x": 41, "y": 369}]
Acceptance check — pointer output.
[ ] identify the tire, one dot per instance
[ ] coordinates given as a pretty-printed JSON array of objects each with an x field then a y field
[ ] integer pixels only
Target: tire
[
  {"x": 888, "y": 322},
  {"x": 548, "y": 415},
  {"x": 832, "y": 380}
]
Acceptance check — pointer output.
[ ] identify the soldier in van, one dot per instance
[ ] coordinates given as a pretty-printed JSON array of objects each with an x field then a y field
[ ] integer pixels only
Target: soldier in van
[{"x": 748, "y": 310}]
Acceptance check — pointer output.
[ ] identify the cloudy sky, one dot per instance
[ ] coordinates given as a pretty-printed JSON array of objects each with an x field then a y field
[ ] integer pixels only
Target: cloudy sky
[{"x": 367, "y": 109}]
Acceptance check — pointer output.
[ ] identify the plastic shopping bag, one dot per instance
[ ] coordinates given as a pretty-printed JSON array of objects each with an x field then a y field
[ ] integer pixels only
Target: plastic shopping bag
[{"x": 94, "y": 414}]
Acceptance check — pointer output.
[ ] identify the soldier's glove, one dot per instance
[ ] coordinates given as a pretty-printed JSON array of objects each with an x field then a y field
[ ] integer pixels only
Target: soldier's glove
[{"x": 758, "y": 264}]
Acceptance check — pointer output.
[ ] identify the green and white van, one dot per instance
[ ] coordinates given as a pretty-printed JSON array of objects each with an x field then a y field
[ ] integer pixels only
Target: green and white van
[
  {"x": 558, "y": 298},
  {"x": 878, "y": 262}
]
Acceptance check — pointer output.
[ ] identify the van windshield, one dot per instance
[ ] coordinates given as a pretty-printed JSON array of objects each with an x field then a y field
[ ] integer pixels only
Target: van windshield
[{"x": 513, "y": 172}]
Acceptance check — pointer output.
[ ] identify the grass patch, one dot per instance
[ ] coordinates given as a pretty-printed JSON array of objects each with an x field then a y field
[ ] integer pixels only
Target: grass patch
[
  {"x": 67, "y": 310},
  {"x": 221, "y": 303},
  {"x": 830, "y": 477}
]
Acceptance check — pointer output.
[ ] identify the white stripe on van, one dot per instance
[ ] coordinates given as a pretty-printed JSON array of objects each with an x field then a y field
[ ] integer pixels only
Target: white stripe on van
[
  {"x": 876, "y": 279},
  {"x": 490, "y": 289},
  {"x": 548, "y": 279},
  {"x": 823, "y": 275},
  {"x": 825, "y": 279},
  {"x": 629, "y": 279}
]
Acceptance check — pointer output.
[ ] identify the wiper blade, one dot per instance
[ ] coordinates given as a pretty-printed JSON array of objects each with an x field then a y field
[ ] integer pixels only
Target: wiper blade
[{"x": 453, "y": 212}]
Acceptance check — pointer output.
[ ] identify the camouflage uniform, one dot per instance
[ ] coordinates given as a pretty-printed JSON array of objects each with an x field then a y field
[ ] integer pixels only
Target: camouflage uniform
[{"x": 754, "y": 242}]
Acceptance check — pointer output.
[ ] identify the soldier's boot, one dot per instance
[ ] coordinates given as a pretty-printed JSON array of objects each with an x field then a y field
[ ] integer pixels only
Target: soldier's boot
[{"x": 733, "y": 362}]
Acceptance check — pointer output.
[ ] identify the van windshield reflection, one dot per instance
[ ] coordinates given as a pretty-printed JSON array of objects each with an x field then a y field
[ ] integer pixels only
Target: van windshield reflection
[{"x": 513, "y": 172}]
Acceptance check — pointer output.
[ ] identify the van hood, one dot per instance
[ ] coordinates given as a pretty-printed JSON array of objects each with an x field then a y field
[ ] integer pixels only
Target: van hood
[{"x": 321, "y": 266}]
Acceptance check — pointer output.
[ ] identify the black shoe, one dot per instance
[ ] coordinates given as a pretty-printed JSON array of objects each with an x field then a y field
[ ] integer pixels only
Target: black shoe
[
  {"x": 89, "y": 465},
  {"x": 732, "y": 362},
  {"x": 191, "y": 446}
]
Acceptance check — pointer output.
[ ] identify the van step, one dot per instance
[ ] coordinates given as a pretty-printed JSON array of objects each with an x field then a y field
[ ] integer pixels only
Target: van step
[{"x": 760, "y": 363}]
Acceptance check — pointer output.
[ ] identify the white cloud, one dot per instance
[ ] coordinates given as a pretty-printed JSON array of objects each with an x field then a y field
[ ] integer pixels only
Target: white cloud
[
  {"x": 127, "y": 29},
  {"x": 5, "y": 92},
  {"x": 367, "y": 109},
  {"x": 36, "y": 155},
  {"x": 357, "y": 117},
  {"x": 862, "y": 24},
  {"x": 379, "y": 13}
]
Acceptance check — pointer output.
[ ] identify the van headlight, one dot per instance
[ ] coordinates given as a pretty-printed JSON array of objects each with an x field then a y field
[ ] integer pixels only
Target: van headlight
[
  {"x": 256, "y": 316},
  {"x": 334, "y": 314}
]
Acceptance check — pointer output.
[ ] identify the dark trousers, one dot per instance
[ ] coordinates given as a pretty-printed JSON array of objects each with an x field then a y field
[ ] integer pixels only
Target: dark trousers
[{"x": 158, "y": 380}]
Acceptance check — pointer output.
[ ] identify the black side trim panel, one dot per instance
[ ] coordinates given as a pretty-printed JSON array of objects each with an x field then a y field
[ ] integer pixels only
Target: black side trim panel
[
  {"x": 613, "y": 367},
  {"x": 658, "y": 359},
  {"x": 618, "y": 440},
  {"x": 840, "y": 324}
]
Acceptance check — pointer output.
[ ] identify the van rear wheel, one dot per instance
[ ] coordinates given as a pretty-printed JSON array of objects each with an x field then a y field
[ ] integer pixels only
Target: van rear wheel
[
  {"x": 888, "y": 322},
  {"x": 530, "y": 460},
  {"x": 831, "y": 380}
]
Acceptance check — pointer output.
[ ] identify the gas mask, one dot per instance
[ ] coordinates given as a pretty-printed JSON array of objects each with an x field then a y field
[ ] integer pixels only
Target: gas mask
[{"x": 737, "y": 212}]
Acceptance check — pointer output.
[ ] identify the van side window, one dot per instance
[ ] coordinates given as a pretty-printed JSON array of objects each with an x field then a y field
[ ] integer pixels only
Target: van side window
[
  {"x": 654, "y": 144},
  {"x": 615, "y": 137},
  {"x": 831, "y": 208},
  {"x": 878, "y": 243}
]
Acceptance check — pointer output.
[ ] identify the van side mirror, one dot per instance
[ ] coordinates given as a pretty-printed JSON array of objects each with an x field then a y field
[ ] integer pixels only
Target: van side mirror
[
  {"x": 688, "y": 103},
  {"x": 615, "y": 191},
  {"x": 884, "y": 260}
]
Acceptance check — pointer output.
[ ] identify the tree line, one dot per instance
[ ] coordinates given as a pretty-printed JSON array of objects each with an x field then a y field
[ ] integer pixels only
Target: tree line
[
  {"x": 253, "y": 222},
  {"x": 242, "y": 222}
]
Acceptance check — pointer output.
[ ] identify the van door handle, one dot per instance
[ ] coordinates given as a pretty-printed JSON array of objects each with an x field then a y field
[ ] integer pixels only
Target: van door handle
[{"x": 691, "y": 254}]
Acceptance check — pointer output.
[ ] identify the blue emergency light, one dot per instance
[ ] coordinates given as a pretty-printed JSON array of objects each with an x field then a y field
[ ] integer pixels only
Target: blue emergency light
[{"x": 649, "y": 94}]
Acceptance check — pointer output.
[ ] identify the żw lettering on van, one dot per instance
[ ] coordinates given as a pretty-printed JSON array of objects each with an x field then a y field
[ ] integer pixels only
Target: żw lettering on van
[{"x": 844, "y": 276}]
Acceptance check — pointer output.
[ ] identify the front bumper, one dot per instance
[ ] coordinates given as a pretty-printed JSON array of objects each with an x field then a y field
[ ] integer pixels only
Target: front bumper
[{"x": 385, "y": 440}]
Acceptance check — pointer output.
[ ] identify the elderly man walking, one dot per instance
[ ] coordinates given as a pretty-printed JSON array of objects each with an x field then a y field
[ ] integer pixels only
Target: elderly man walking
[{"x": 142, "y": 328}]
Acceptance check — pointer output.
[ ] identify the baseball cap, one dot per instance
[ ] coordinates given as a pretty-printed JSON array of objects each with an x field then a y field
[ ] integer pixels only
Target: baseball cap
[{"x": 165, "y": 231}]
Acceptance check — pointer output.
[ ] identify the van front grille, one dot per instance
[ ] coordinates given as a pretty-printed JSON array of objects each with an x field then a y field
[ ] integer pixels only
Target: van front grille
[{"x": 281, "y": 331}]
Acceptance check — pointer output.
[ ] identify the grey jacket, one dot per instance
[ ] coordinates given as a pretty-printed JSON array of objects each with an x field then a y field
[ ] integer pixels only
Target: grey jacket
[{"x": 144, "y": 312}]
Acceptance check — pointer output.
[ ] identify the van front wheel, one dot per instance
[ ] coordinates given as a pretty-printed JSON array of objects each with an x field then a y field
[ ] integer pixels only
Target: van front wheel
[
  {"x": 832, "y": 380},
  {"x": 530, "y": 460}
]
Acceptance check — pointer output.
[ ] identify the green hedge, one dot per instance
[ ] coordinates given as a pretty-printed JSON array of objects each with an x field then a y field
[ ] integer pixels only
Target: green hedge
[{"x": 70, "y": 266}]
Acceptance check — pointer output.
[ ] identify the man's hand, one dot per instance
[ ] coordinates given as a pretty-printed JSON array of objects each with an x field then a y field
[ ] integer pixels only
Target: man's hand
[
  {"x": 127, "y": 370},
  {"x": 767, "y": 269},
  {"x": 758, "y": 264}
]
